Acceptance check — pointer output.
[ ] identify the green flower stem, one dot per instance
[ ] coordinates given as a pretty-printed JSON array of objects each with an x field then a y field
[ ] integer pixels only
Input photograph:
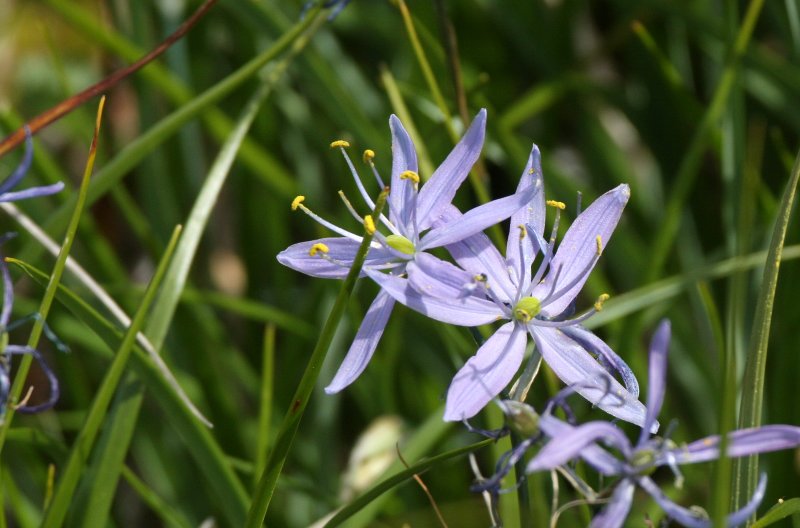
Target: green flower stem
[{"x": 291, "y": 422}]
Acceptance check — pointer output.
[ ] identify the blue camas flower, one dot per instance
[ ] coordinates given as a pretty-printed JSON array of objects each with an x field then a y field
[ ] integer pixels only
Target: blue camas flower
[
  {"x": 648, "y": 453},
  {"x": 415, "y": 224},
  {"x": 488, "y": 288},
  {"x": 6, "y": 193}
]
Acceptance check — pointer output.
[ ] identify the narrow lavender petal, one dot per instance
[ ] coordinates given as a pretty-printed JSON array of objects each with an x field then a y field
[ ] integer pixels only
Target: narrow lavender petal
[
  {"x": 342, "y": 250},
  {"x": 741, "y": 443},
  {"x": 364, "y": 344},
  {"x": 404, "y": 158},
  {"x": 576, "y": 367},
  {"x": 8, "y": 294},
  {"x": 438, "y": 278},
  {"x": 467, "y": 311},
  {"x": 614, "y": 513},
  {"x": 533, "y": 215},
  {"x": 33, "y": 192},
  {"x": 486, "y": 373},
  {"x": 568, "y": 446},
  {"x": 657, "y": 376},
  {"x": 439, "y": 191},
  {"x": 689, "y": 518},
  {"x": 594, "y": 455},
  {"x": 55, "y": 391},
  {"x": 478, "y": 255},
  {"x": 477, "y": 219},
  {"x": 579, "y": 248},
  {"x": 23, "y": 167},
  {"x": 591, "y": 342}
]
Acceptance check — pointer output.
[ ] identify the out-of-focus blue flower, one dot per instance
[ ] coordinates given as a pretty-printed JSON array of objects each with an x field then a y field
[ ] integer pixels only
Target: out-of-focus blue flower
[
  {"x": 640, "y": 459},
  {"x": 337, "y": 6},
  {"x": 414, "y": 224},
  {"x": 490, "y": 288},
  {"x": 6, "y": 193}
]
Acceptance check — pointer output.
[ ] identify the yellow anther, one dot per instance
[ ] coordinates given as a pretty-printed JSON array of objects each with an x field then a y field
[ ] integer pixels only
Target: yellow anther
[
  {"x": 531, "y": 171},
  {"x": 340, "y": 143},
  {"x": 369, "y": 224},
  {"x": 410, "y": 175},
  {"x": 599, "y": 242},
  {"x": 368, "y": 155},
  {"x": 318, "y": 247},
  {"x": 556, "y": 204},
  {"x": 521, "y": 231},
  {"x": 598, "y": 305},
  {"x": 297, "y": 201}
]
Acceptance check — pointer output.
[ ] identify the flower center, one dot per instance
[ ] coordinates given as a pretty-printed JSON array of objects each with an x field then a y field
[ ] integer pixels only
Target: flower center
[
  {"x": 401, "y": 244},
  {"x": 527, "y": 308},
  {"x": 643, "y": 460}
]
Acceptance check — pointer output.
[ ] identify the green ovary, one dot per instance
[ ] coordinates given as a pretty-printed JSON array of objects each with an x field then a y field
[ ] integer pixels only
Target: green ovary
[
  {"x": 400, "y": 243},
  {"x": 527, "y": 308}
]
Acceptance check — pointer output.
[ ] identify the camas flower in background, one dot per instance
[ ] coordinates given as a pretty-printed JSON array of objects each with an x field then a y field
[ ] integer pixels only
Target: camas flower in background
[
  {"x": 6, "y": 193},
  {"x": 414, "y": 224},
  {"x": 648, "y": 453},
  {"x": 491, "y": 288}
]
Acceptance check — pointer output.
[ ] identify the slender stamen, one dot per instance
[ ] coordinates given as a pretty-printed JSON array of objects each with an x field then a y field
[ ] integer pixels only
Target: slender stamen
[
  {"x": 357, "y": 179},
  {"x": 369, "y": 155},
  {"x": 414, "y": 178},
  {"x": 561, "y": 324},
  {"x": 547, "y": 257},
  {"x": 522, "y": 270},
  {"x": 578, "y": 278},
  {"x": 297, "y": 204},
  {"x": 578, "y": 205},
  {"x": 349, "y": 206}
]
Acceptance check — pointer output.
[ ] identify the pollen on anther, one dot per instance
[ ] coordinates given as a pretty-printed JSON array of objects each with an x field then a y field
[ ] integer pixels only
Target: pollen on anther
[
  {"x": 556, "y": 204},
  {"x": 369, "y": 154},
  {"x": 598, "y": 305},
  {"x": 599, "y": 242},
  {"x": 369, "y": 224},
  {"x": 318, "y": 247},
  {"x": 297, "y": 201},
  {"x": 410, "y": 175},
  {"x": 340, "y": 143},
  {"x": 521, "y": 231}
]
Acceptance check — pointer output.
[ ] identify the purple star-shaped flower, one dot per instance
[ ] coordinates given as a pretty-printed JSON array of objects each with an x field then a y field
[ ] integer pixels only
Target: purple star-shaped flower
[
  {"x": 640, "y": 459},
  {"x": 488, "y": 288},
  {"x": 415, "y": 225}
]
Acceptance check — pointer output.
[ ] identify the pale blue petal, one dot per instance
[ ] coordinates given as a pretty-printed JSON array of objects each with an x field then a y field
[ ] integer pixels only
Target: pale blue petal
[
  {"x": 565, "y": 447},
  {"x": 478, "y": 255},
  {"x": 573, "y": 260},
  {"x": 439, "y": 191},
  {"x": 608, "y": 357},
  {"x": 22, "y": 169},
  {"x": 594, "y": 455},
  {"x": 404, "y": 158},
  {"x": 467, "y": 311},
  {"x": 33, "y": 192},
  {"x": 342, "y": 250},
  {"x": 614, "y": 513},
  {"x": 486, "y": 373},
  {"x": 690, "y": 518},
  {"x": 532, "y": 216},
  {"x": 657, "y": 376},
  {"x": 578, "y": 369},
  {"x": 367, "y": 337},
  {"x": 741, "y": 443},
  {"x": 438, "y": 278},
  {"x": 477, "y": 219}
]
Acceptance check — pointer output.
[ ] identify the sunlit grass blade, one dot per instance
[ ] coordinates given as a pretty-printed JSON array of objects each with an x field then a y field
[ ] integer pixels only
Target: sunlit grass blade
[
  {"x": 266, "y": 400},
  {"x": 55, "y": 279},
  {"x": 746, "y": 469},
  {"x": 84, "y": 442},
  {"x": 291, "y": 421},
  {"x": 780, "y": 511}
]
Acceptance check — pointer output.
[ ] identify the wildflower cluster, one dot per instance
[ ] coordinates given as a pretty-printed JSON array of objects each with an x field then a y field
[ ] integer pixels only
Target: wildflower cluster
[{"x": 531, "y": 289}]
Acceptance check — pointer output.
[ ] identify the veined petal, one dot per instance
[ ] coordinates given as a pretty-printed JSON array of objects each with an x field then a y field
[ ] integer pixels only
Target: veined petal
[
  {"x": 594, "y": 455},
  {"x": 438, "y": 278},
  {"x": 572, "y": 262},
  {"x": 367, "y": 337},
  {"x": 567, "y": 446},
  {"x": 608, "y": 357},
  {"x": 657, "y": 376},
  {"x": 577, "y": 368},
  {"x": 486, "y": 373},
  {"x": 532, "y": 215},
  {"x": 404, "y": 158},
  {"x": 467, "y": 311},
  {"x": 439, "y": 191},
  {"x": 477, "y": 255},
  {"x": 477, "y": 219},
  {"x": 741, "y": 443},
  {"x": 690, "y": 518},
  {"x": 341, "y": 250},
  {"x": 614, "y": 513}
]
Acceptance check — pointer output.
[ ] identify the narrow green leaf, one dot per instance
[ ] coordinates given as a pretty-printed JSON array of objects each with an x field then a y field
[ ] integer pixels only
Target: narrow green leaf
[
  {"x": 780, "y": 511},
  {"x": 266, "y": 400}
]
